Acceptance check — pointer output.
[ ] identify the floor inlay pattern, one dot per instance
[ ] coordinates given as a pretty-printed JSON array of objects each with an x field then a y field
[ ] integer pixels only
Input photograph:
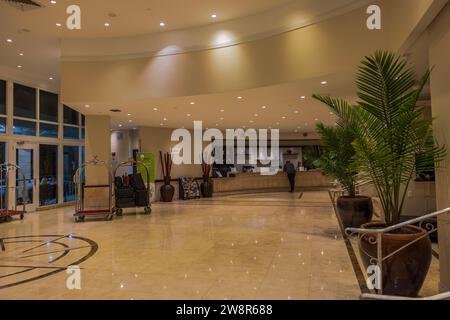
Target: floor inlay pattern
[{"x": 262, "y": 246}]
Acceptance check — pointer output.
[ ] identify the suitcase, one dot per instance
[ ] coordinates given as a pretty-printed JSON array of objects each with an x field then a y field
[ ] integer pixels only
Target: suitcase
[
  {"x": 142, "y": 198},
  {"x": 125, "y": 192},
  {"x": 137, "y": 182}
]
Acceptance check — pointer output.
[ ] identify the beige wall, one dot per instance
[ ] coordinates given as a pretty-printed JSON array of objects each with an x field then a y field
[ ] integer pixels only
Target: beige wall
[
  {"x": 314, "y": 51},
  {"x": 98, "y": 137},
  {"x": 440, "y": 95}
]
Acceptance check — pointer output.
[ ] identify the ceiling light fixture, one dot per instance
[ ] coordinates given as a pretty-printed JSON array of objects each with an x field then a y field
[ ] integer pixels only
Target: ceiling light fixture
[
  {"x": 8, "y": 40},
  {"x": 155, "y": 109},
  {"x": 192, "y": 103},
  {"x": 19, "y": 66},
  {"x": 162, "y": 24},
  {"x": 222, "y": 110},
  {"x": 283, "y": 117},
  {"x": 58, "y": 24},
  {"x": 87, "y": 106},
  {"x": 129, "y": 114},
  {"x": 324, "y": 82},
  {"x": 303, "y": 97},
  {"x": 214, "y": 16},
  {"x": 296, "y": 111},
  {"x": 263, "y": 107},
  {"x": 21, "y": 54},
  {"x": 107, "y": 24},
  {"x": 188, "y": 115},
  {"x": 165, "y": 119},
  {"x": 50, "y": 78},
  {"x": 53, "y": 2},
  {"x": 120, "y": 126},
  {"x": 239, "y": 98}
]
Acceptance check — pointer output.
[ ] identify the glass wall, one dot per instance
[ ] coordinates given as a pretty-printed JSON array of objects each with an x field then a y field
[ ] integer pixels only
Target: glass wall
[
  {"x": 56, "y": 129},
  {"x": 25, "y": 162},
  {"x": 71, "y": 164},
  {"x": 48, "y": 174},
  {"x": 2, "y": 179}
]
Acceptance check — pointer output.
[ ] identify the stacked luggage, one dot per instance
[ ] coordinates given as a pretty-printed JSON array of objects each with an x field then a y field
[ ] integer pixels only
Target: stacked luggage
[{"x": 131, "y": 192}]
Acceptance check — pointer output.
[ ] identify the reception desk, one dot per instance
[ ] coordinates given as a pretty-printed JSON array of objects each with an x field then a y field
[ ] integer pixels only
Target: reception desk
[{"x": 255, "y": 182}]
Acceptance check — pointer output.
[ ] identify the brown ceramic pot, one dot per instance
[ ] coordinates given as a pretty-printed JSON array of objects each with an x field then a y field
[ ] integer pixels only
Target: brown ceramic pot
[
  {"x": 403, "y": 273},
  {"x": 167, "y": 190},
  {"x": 354, "y": 211}
]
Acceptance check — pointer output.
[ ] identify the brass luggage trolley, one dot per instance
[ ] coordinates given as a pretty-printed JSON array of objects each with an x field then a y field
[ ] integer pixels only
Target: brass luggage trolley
[
  {"x": 120, "y": 206},
  {"x": 7, "y": 211},
  {"x": 79, "y": 180}
]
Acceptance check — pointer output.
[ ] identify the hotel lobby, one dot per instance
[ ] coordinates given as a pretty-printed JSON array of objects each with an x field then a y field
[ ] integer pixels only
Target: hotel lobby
[{"x": 190, "y": 150}]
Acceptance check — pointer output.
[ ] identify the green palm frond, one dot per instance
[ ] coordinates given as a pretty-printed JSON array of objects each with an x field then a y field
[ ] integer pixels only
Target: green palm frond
[{"x": 392, "y": 139}]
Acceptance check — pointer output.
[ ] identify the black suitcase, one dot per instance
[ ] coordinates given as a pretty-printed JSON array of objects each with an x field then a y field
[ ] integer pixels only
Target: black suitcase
[
  {"x": 137, "y": 182},
  {"x": 125, "y": 192},
  {"x": 142, "y": 198}
]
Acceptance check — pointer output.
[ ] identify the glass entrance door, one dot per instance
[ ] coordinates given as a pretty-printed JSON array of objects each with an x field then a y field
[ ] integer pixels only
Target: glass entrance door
[{"x": 27, "y": 160}]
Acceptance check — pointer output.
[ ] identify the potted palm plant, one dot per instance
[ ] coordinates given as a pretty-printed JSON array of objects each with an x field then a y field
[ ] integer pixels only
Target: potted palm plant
[
  {"x": 337, "y": 160},
  {"x": 393, "y": 142}
]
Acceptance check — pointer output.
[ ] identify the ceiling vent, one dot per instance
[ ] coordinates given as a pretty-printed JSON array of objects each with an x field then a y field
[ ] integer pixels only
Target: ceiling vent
[{"x": 23, "y": 5}]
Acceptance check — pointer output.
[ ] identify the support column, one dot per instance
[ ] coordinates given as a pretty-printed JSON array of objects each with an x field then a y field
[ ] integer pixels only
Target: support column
[
  {"x": 97, "y": 144},
  {"x": 440, "y": 96}
]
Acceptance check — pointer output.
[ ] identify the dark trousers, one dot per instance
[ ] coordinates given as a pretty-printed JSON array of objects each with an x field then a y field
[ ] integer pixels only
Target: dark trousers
[{"x": 291, "y": 177}]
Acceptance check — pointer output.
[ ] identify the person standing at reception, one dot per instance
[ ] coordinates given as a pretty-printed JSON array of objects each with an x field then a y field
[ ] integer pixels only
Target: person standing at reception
[{"x": 289, "y": 168}]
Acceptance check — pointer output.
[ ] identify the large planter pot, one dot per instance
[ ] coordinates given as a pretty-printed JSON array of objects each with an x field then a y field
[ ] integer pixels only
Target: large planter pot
[
  {"x": 404, "y": 272},
  {"x": 207, "y": 188},
  {"x": 354, "y": 211},
  {"x": 167, "y": 190}
]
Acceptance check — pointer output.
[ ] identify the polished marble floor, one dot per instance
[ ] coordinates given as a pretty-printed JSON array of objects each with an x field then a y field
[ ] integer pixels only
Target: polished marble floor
[{"x": 261, "y": 246}]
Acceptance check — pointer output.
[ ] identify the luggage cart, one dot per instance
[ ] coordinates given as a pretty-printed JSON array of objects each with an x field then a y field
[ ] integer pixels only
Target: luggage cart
[
  {"x": 79, "y": 180},
  {"x": 6, "y": 210},
  {"x": 118, "y": 205}
]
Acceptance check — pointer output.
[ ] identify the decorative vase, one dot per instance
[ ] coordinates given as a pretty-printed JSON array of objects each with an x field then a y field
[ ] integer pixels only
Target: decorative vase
[
  {"x": 167, "y": 190},
  {"x": 354, "y": 211},
  {"x": 405, "y": 271},
  {"x": 206, "y": 187}
]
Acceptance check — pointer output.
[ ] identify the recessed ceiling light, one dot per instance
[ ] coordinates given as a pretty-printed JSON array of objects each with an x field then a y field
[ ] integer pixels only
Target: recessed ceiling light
[
  {"x": 120, "y": 126},
  {"x": 58, "y": 24},
  {"x": 188, "y": 114},
  {"x": 324, "y": 82},
  {"x": 221, "y": 119},
  {"x": 192, "y": 103},
  {"x": 50, "y": 78},
  {"x": 303, "y": 97},
  {"x": 87, "y": 106},
  {"x": 162, "y": 24},
  {"x": 107, "y": 24},
  {"x": 256, "y": 115},
  {"x": 8, "y": 40},
  {"x": 263, "y": 107},
  {"x": 161, "y": 124},
  {"x": 165, "y": 119},
  {"x": 296, "y": 111},
  {"x": 316, "y": 119},
  {"x": 155, "y": 109},
  {"x": 251, "y": 121},
  {"x": 19, "y": 66},
  {"x": 53, "y": 2},
  {"x": 214, "y": 16},
  {"x": 130, "y": 121},
  {"x": 129, "y": 114},
  {"x": 283, "y": 117},
  {"x": 21, "y": 54},
  {"x": 239, "y": 98},
  {"x": 222, "y": 110}
]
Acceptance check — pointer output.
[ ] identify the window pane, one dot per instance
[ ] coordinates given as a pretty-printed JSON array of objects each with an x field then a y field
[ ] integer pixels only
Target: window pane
[
  {"x": 71, "y": 163},
  {"x": 71, "y": 133},
  {"x": 24, "y": 101},
  {"x": 48, "y": 130},
  {"x": 83, "y": 133},
  {"x": 48, "y": 175},
  {"x": 2, "y": 126},
  {"x": 70, "y": 116},
  {"x": 3, "y": 180},
  {"x": 24, "y": 159},
  {"x": 24, "y": 128},
  {"x": 48, "y": 106},
  {"x": 2, "y": 97},
  {"x": 83, "y": 120}
]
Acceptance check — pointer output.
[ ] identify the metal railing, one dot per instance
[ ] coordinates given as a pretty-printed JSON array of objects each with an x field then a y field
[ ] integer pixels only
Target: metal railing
[{"x": 376, "y": 238}]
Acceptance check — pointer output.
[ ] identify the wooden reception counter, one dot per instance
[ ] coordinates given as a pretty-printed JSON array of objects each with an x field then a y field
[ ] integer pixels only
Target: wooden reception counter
[{"x": 255, "y": 182}]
